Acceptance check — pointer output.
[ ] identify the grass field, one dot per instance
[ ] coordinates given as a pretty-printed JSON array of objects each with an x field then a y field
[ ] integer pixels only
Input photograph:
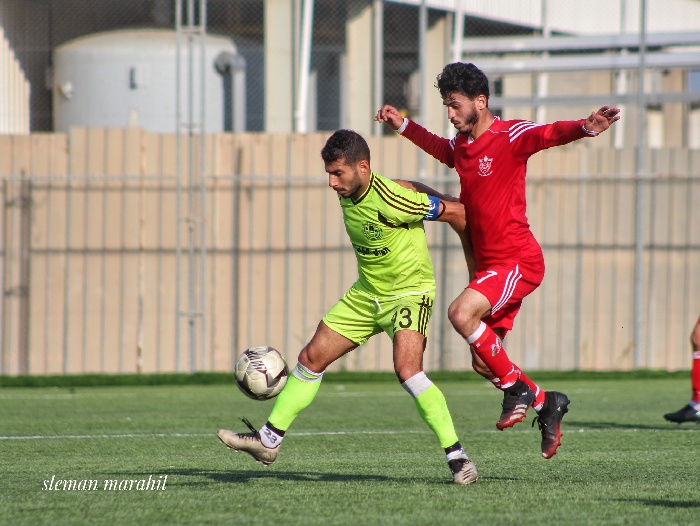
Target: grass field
[{"x": 359, "y": 455}]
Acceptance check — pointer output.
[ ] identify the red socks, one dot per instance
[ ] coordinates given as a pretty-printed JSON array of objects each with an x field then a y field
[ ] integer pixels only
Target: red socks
[
  {"x": 695, "y": 376},
  {"x": 488, "y": 347}
]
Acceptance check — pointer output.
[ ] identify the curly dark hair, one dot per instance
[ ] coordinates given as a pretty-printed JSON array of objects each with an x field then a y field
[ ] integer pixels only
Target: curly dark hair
[
  {"x": 464, "y": 78},
  {"x": 345, "y": 144}
]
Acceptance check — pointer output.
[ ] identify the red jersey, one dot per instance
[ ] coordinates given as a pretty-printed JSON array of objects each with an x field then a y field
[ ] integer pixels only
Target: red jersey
[{"x": 492, "y": 172}]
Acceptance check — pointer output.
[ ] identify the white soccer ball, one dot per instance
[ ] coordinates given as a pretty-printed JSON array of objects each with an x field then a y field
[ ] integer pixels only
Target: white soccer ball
[{"x": 261, "y": 372}]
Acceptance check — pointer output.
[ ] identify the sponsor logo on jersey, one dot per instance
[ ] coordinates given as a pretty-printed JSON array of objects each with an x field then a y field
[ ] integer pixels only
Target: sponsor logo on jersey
[
  {"x": 485, "y": 166},
  {"x": 372, "y": 231},
  {"x": 366, "y": 251}
]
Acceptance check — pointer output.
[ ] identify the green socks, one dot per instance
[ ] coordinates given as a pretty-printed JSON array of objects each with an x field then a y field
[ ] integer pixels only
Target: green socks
[
  {"x": 296, "y": 396},
  {"x": 432, "y": 408}
]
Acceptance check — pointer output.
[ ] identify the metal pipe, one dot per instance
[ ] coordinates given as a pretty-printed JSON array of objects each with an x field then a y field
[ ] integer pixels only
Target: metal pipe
[
  {"x": 178, "y": 182},
  {"x": 422, "y": 67},
  {"x": 47, "y": 265},
  {"x": 103, "y": 267},
  {"x": 86, "y": 228},
  {"x": 542, "y": 78},
  {"x": 304, "y": 66},
  {"x": 122, "y": 265},
  {"x": 190, "y": 185},
  {"x": 203, "y": 185},
  {"x": 458, "y": 33},
  {"x": 639, "y": 194},
  {"x": 378, "y": 59}
]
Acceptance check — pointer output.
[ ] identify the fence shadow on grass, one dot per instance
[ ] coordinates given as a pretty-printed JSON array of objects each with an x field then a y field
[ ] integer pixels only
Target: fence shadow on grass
[
  {"x": 662, "y": 426},
  {"x": 663, "y": 503},
  {"x": 241, "y": 476}
]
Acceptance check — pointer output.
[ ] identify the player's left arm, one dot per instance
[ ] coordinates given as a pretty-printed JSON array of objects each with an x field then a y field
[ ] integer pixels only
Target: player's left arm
[
  {"x": 599, "y": 121},
  {"x": 417, "y": 186},
  {"x": 527, "y": 138}
]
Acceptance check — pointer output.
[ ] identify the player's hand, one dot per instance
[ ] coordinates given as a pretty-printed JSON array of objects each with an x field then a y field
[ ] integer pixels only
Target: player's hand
[
  {"x": 390, "y": 116},
  {"x": 601, "y": 120}
]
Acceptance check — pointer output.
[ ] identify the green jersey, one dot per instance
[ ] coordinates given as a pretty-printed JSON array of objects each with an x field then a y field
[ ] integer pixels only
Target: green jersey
[{"x": 385, "y": 225}]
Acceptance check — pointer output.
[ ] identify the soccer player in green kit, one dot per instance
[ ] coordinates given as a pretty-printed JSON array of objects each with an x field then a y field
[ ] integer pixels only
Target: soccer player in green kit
[{"x": 394, "y": 294}]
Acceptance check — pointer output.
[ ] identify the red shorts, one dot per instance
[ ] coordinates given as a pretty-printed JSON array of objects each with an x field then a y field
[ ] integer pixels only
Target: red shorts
[{"x": 505, "y": 284}]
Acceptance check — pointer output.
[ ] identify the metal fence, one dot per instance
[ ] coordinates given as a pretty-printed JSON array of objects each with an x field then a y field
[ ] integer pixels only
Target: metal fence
[
  {"x": 130, "y": 250},
  {"x": 89, "y": 256}
]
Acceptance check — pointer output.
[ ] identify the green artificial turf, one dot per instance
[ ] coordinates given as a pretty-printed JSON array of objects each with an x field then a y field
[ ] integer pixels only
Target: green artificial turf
[{"x": 358, "y": 455}]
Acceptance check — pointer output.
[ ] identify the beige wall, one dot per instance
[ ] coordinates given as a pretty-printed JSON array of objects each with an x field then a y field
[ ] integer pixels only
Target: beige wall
[{"x": 89, "y": 228}]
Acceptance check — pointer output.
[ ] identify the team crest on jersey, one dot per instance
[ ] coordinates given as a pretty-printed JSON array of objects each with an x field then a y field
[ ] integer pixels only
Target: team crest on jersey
[
  {"x": 485, "y": 166},
  {"x": 372, "y": 231}
]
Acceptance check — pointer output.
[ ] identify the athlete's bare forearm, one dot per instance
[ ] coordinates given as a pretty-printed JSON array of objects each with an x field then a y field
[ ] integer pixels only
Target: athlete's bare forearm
[{"x": 417, "y": 186}]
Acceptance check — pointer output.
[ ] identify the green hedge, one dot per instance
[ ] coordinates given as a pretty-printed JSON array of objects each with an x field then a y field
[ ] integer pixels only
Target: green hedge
[{"x": 93, "y": 380}]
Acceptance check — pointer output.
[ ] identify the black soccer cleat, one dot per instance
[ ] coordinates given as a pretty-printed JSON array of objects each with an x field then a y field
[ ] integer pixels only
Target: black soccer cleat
[
  {"x": 556, "y": 405},
  {"x": 517, "y": 399},
  {"x": 685, "y": 414}
]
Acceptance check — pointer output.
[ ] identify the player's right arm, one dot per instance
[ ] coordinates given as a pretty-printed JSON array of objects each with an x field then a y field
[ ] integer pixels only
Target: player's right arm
[{"x": 438, "y": 147}]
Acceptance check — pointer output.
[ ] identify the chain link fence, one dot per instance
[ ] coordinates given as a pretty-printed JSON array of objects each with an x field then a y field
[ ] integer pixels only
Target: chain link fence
[{"x": 140, "y": 98}]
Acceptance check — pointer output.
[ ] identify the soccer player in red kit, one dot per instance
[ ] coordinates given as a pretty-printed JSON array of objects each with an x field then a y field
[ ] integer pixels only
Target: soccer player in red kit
[
  {"x": 490, "y": 156},
  {"x": 691, "y": 412}
]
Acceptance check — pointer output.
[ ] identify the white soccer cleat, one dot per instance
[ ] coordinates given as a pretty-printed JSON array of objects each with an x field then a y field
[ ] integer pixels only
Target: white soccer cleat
[
  {"x": 463, "y": 471},
  {"x": 249, "y": 443}
]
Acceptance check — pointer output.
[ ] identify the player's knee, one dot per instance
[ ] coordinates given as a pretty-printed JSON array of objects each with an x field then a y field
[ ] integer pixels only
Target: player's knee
[
  {"x": 312, "y": 360},
  {"x": 459, "y": 317},
  {"x": 405, "y": 371},
  {"x": 695, "y": 338}
]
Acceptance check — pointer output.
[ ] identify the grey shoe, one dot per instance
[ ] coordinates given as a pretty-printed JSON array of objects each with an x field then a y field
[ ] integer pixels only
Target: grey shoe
[
  {"x": 463, "y": 471},
  {"x": 249, "y": 443}
]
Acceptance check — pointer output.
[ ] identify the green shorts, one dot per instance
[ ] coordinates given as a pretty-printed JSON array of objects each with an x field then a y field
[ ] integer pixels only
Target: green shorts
[{"x": 359, "y": 315}]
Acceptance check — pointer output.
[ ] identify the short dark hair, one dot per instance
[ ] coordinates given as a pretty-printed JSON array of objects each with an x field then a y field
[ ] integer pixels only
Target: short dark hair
[
  {"x": 464, "y": 78},
  {"x": 345, "y": 144}
]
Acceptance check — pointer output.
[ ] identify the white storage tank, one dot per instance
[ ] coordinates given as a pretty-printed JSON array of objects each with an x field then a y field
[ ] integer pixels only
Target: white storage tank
[{"x": 128, "y": 78}]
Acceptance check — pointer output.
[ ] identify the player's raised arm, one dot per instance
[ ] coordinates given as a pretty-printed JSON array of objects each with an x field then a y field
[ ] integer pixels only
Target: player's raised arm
[
  {"x": 599, "y": 121},
  {"x": 389, "y": 116}
]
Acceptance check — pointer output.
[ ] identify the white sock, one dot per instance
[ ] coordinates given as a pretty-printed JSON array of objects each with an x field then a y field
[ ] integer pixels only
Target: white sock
[
  {"x": 417, "y": 384},
  {"x": 695, "y": 405},
  {"x": 269, "y": 438},
  {"x": 460, "y": 453}
]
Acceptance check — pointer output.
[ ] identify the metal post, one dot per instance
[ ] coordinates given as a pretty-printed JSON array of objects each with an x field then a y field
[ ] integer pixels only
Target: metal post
[
  {"x": 639, "y": 193},
  {"x": 458, "y": 33},
  {"x": 422, "y": 66},
  {"x": 301, "y": 116},
  {"x": 178, "y": 183},
  {"x": 203, "y": 185},
  {"x": 190, "y": 184},
  {"x": 542, "y": 79},
  {"x": 194, "y": 218},
  {"x": 378, "y": 51}
]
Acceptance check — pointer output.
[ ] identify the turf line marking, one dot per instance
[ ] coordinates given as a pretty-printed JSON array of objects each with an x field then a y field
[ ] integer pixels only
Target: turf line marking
[
  {"x": 321, "y": 433},
  {"x": 67, "y": 396}
]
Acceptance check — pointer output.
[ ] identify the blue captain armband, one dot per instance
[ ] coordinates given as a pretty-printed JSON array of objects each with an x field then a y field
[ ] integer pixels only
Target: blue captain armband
[{"x": 434, "y": 208}]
